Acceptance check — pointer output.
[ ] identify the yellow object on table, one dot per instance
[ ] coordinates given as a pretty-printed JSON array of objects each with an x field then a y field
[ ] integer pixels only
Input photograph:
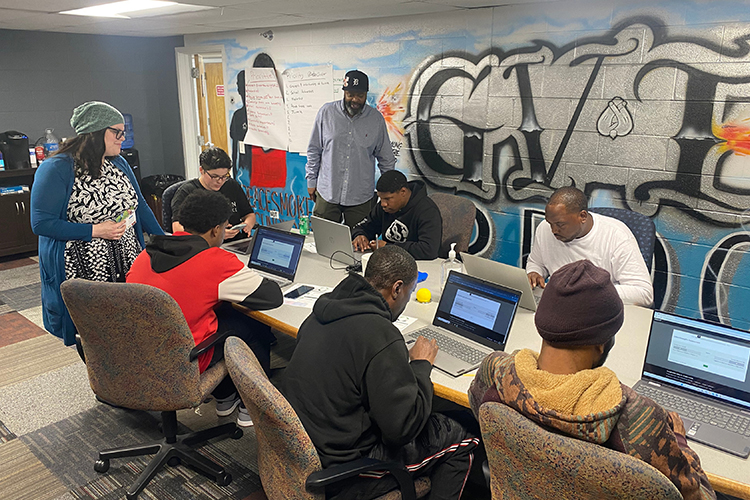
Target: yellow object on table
[{"x": 423, "y": 295}]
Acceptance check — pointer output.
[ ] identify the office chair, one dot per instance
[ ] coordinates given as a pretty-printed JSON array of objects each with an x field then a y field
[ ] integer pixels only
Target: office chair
[
  {"x": 166, "y": 205},
  {"x": 288, "y": 463},
  {"x": 140, "y": 355},
  {"x": 640, "y": 225},
  {"x": 458, "y": 216},
  {"x": 529, "y": 462}
]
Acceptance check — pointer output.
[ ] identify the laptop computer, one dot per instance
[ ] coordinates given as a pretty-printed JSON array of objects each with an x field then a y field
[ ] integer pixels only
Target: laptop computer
[
  {"x": 244, "y": 245},
  {"x": 334, "y": 240},
  {"x": 275, "y": 254},
  {"x": 701, "y": 370},
  {"x": 472, "y": 320},
  {"x": 511, "y": 276}
]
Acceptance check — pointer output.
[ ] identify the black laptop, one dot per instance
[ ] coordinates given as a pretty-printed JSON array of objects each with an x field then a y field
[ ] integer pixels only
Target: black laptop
[
  {"x": 701, "y": 371},
  {"x": 275, "y": 254}
]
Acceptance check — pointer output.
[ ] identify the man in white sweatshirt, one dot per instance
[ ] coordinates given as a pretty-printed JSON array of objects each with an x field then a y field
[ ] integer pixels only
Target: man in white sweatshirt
[{"x": 570, "y": 233}]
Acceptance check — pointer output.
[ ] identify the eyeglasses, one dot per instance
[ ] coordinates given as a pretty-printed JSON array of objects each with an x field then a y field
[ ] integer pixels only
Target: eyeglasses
[
  {"x": 119, "y": 134},
  {"x": 221, "y": 178}
]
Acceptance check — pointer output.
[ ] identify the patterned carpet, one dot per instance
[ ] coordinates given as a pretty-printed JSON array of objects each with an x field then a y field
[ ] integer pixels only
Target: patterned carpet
[{"x": 52, "y": 427}]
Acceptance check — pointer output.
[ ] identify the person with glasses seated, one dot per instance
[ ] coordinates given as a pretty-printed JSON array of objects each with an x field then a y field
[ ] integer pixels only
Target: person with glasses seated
[
  {"x": 88, "y": 211},
  {"x": 215, "y": 168}
]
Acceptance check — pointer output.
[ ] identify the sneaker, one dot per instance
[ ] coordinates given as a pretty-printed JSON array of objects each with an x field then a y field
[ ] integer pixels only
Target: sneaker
[
  {"x": 225, "y": 407},
  {"x": 243, "y": 417}
]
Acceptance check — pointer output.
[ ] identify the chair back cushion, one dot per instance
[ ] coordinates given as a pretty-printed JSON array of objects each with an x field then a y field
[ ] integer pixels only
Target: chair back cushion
[
  {"x": 640, "y": 225},
  {"x": 286, "y": 454},
  {"x": 529, "y": 462},
  {"x": 137, "y": 345},
  {"x": 458, "y": 216},
  {"x": 166, "y": 205}
]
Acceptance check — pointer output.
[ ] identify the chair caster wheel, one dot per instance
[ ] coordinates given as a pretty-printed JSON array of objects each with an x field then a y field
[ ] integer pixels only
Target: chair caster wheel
[
  {"x": 224, "y": 479},
  {"x": 237, "y": 434},
  {"x": 174, "y": 461},
  {"x": 101, "y": 465}
]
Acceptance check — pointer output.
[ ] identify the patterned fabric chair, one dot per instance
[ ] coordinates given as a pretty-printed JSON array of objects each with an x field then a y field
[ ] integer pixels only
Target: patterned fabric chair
[
  {"x": 458, "y": 216},
  {"x": 529, "y": 462},
  {"x": 288, "y": 463},
  {"x": 640, "y": 225},
  {"x": 166, "y": 205},
  {"x": 141, "y": 355}
]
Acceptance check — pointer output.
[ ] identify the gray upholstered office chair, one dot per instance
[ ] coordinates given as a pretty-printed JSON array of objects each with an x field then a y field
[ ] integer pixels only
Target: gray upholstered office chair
[
  {"x": 458, "y": 216},
  {"x": 640, "y": 225},
  {"x": 166, "y": 205},
  {"x": 141, "y": 355},
  {"x": 529, "y": 462},
  {"x": 288, "y": 463}
]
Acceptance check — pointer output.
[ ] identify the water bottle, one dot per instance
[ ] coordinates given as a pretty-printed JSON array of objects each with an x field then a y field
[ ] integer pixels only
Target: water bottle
[
  {"x": 129, "y": 141},
  {"x": 51, "y": 143},
  {"x": 450, "y": 264}
]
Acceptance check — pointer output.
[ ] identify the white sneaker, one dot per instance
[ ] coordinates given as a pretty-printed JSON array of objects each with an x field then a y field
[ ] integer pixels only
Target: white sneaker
[
  {"x": 225, "y": 407},
  {"x": 243, "y": 417}
]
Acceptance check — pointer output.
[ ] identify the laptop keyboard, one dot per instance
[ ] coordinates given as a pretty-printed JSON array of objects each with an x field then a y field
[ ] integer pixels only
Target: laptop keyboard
[
  {"x": 282, "y": 282},
  {"x": 451, "y": 346},
  {"x": 698, "y": 411}
]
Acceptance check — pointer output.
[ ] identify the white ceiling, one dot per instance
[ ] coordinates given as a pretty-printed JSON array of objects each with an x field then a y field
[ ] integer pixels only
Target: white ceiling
[{"x": 225, "y": 15}]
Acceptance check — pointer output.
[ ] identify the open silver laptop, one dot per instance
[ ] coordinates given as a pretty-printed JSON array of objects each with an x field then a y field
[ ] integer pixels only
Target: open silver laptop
[
  {"x": 701, "y": 370},
  {"x": 334, "y": 240},
  {"x": 511, "y": 276},
  {"x": 275, "y": 254},
  {"x": 244, "y": 245},
  {"x": 472, "y": 320}
]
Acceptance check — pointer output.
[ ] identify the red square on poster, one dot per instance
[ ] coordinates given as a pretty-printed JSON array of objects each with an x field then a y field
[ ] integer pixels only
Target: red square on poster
[
  {"x": 268, "y": 168},
  {"x": 220, "y": 91}
]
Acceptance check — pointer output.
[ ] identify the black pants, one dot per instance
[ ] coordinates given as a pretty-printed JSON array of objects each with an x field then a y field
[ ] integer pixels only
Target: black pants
[
  {"x": 443, "y": 451},
  {"x": 254, "y": 333}
]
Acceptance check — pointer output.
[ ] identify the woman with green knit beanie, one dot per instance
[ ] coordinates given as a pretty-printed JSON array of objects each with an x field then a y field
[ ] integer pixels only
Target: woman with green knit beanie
[{"x": 88, "y": 211}]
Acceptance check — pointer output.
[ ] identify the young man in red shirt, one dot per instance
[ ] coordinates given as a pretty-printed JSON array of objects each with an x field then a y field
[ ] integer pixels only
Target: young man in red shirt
[{"x": 205, "y": 280}]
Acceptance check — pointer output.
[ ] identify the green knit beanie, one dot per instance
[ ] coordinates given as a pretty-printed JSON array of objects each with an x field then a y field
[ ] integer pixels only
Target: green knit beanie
[{"x": 93, "y": 116}]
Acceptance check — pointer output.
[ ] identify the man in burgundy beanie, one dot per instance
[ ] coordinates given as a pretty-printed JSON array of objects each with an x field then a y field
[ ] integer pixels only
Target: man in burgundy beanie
[{"x": 566, "y": 389}]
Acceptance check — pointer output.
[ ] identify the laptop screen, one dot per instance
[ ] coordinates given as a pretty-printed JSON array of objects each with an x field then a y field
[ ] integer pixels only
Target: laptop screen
[
  {"x": 707, "y": 358},
  {"x": 277, "y": 252},
  {"x": 477, "y": 309}
]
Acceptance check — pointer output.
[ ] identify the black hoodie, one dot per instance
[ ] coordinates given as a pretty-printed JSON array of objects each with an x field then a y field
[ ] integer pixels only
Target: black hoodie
[
  {"x": 417, "y": 228},
  {"x": 350, "y": 379}
]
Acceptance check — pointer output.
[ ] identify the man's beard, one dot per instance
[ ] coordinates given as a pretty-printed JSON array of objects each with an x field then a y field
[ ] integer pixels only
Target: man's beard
[
  {"x": 607, "y": 347},
  {"x": 352, "y": 111}
]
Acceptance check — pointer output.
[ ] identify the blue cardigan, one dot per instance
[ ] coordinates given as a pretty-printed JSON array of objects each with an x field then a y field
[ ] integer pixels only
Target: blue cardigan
[{"x": 50, "y": 193}]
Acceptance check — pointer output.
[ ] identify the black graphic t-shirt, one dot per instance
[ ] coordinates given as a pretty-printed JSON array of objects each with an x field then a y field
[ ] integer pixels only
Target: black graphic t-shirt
[{"x": 231, "y": 189}]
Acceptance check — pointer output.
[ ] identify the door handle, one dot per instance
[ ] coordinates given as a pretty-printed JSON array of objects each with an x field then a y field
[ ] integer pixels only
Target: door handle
[
  {"x": 23, "y": 207},
  {"x": 18, "y": 209}
]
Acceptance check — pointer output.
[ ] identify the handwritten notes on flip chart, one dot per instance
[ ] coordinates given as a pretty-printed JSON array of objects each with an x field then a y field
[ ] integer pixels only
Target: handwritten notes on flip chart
[
  {"x": 266, "y": 114},
  {"x": 305, "y": 90}
]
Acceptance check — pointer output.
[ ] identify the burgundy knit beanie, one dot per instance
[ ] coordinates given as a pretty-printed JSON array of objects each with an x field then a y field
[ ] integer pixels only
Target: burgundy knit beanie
[{"x": 579, "y": 306}]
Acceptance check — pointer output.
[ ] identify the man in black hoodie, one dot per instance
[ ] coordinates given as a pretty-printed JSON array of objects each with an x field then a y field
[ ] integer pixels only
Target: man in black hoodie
[
  {"x": 360, "y": 393},
  {"x": 405, "y": 216}
]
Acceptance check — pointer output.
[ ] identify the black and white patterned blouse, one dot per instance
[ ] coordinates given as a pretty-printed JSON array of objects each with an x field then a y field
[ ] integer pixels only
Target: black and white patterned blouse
[{"x": 91, "y": 202}]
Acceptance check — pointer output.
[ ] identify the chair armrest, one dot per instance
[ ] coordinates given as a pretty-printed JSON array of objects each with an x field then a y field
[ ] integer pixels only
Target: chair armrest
[
  {"x": 336, "y": 473},
  {"x": 208, "y": 343}
]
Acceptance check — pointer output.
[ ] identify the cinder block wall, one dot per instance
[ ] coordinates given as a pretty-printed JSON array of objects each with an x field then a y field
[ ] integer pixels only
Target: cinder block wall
[{"x": 642, "y": 105}]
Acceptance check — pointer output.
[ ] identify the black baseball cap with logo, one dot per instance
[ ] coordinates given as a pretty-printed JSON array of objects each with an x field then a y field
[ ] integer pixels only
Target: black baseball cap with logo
[{"x": 356, "y": 81}]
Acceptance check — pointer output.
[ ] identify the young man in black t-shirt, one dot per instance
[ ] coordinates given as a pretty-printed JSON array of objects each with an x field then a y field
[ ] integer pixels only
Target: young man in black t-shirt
[{"x": 215, "y": 169}]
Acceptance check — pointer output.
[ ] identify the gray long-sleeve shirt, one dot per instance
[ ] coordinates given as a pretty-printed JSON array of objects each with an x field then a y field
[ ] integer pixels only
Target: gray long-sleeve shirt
[{"x": 342, "y": 152}]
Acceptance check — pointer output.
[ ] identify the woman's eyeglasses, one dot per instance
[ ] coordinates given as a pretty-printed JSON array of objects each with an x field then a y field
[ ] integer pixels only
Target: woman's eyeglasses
[
  {"x": 222, "y": 178},
  {"x": 119, "y": 134}
]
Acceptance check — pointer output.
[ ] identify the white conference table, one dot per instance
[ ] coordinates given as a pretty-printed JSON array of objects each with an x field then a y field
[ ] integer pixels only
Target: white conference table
[{"x": 727, "y": 473}]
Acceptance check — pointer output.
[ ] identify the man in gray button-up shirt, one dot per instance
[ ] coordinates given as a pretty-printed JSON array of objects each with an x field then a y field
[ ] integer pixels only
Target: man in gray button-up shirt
[{"x": 347, "y": 137}]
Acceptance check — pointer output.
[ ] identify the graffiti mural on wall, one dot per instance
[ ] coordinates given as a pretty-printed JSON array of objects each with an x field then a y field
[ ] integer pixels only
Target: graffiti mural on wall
[{"x": 652, "y": 120}]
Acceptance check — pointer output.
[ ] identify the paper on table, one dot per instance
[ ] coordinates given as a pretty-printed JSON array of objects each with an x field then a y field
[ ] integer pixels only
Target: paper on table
[
  {"x": 403, "y": 322},
  {"x": 309, "y": 298},
  {"x": 310, "y": 247}
]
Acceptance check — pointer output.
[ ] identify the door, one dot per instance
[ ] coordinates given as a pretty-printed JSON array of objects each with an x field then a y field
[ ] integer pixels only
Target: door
[{"x": 209, "y": 90}]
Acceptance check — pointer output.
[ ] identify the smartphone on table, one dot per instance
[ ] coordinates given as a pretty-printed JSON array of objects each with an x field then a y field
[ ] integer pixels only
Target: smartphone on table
[{"x": 300, "y": 290}]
